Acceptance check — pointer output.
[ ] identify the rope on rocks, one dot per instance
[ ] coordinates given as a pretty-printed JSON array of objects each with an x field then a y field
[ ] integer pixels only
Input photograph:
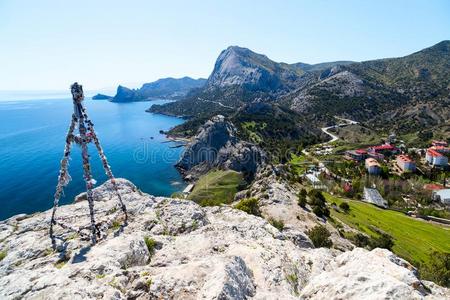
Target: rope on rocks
[{"x": 86, "y": 135}]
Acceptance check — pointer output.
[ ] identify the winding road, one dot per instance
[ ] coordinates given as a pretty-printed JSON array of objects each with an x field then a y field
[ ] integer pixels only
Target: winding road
[
  {"x": 335, "y": 137},
  {"x": 216, "y": 102}
]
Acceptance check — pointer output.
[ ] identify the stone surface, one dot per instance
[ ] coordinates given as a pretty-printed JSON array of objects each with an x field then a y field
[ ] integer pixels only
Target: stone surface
[
  {"x": 198, "y": 253},
  {"x": 216, "y": 145},
  {"x": 237, "y": 66}
]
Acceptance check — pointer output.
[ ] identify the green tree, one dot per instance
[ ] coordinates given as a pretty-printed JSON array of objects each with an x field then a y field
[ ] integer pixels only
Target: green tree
[
  {"x": 437, "y": 269},
  {"x": 383, "y": 241},
  {"x": 344, "y": 206},
  {"x": 318, "y": 203},
  {"x": 320, "y": 237},
  {"x": 302, "y": 200},
  {"x": 249, "y": 205}
]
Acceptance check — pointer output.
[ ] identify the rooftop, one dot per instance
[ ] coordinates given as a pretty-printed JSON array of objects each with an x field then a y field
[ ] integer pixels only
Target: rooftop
[
  {"x": 439, "y": 143},
  {"x": 444, "y": 194},
  {"x": 433, "y": 153},
  {"x": 404, "y": 158},
  {"x": 433, "y": 187},
  {"x": 382, "y": 147},
  {"x": 373, "y": 196},
  {"x": 372, "y": 162}
]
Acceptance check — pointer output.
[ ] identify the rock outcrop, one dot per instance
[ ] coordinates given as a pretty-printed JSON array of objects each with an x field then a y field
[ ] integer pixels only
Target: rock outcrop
[
  {"x": 164, "y": 88},
  {"x": 175, "y": 249},
  {"x": 237, "y": 66},
  {"x": 217, "y": 146},
  {"x": 101, "y": 97}
]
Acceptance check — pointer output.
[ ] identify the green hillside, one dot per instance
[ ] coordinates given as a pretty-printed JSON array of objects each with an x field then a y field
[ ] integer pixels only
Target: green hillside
[{"x": 414, "y": 239}]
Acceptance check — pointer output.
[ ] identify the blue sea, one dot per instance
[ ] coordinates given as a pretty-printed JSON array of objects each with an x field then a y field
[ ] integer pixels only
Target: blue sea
[{"x": 32, "y": 139}]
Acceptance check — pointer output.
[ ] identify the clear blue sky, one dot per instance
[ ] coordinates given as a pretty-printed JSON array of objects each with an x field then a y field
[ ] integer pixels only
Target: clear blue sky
[{"x": 49, "y": 44}]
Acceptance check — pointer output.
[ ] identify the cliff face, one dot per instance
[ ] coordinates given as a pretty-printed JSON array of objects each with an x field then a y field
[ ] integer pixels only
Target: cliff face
[
  {"x": 195, "y": 253},
  {"x": 216, "y": 145},
  {"x": 243, "y": 67}
]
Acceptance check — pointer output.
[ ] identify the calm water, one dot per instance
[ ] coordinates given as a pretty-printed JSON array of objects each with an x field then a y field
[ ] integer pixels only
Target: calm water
[{"x": 32, "y": 138}]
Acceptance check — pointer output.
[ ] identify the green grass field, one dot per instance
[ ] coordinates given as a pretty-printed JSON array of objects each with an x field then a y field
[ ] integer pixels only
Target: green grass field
[
  {"x": 299, "y": 163},
  {"x": 216, "y": 187},
  {"x": 414, "y": 239}
]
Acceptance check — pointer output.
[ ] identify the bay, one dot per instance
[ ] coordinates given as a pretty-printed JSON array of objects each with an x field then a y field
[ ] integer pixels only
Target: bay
[{"x": 32, "y": 139}]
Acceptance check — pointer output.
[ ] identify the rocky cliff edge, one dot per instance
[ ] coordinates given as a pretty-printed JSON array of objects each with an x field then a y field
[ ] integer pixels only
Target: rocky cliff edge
[
  {"x": 191, "y": 253},
  {"x": 216, "y": 145}
]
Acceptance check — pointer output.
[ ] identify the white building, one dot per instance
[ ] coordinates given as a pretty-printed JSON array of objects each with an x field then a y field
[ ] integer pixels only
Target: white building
[
  {"x": 373, "y": 196},
  {"x": 406, "y": 163},
  {"x": 188, "y": 189},
  {"x": 315, "y": 181},
  {"x": 372, "y": 166},
  {"x": 442, "y": 196},
  {"x": 435, "y": 158}
]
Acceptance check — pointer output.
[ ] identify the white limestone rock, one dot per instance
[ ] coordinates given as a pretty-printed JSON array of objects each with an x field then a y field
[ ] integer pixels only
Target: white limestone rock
[{"x": 197, "y": 253}]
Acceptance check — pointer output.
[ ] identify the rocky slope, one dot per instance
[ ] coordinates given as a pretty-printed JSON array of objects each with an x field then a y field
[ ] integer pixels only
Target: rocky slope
[
  {"x": 217, "y": 146},
  {"x": 241, "y": 76},
  {"x": 243, "y": 67},
  {"x": 371, "y": 90},
  {"x": 367, "y": 91},
  {"x": 165, "y": 88},
  {"x": 197, "y": 253}
]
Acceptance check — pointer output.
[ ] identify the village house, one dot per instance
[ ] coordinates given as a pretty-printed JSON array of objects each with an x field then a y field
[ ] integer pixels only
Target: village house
[
  {"x": 372, "y": 166},
  {"x": 442, "y": 196},
  {"x": 435, "y": 158},
  {"x": 371, "y": 195},
  {"x": 386, "y": 149},
  {"x": 439, "y": 143},
  {"x": 356, "y": 155},
  {"x": 441, "y": 149},
  {"x": 405, "y": 163}
]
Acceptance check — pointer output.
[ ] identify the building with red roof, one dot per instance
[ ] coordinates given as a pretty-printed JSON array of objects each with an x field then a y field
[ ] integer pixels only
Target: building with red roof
[
  {"x": 372, "y": 166},
  {"x": 433, "y": 187},
  {"x": 441, "y": 149},
  {"x": 436, "y": 158},
  {"x": 357, "y": 155},
  {"x": 439, "y": 143},
  {"x": 385, "y": 149},
  {"x": 406, "y": 163}
]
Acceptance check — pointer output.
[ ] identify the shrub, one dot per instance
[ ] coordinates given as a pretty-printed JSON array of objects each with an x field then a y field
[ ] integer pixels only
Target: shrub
[
  {"x": 437, "y": 269},
  {"x": 360, "y": 240},
  {"x": 316, "y": 197},
  {"x": 318, "y": 203},
  {"x": 301, "y": 200},
  {"x": 279, "y": 224},
  {"x": 3, "y": 254},
  {"x": 320, "y": 236},
  {"x": 249, "y": 205},
  {"x": 151, "y": 245},
  {"x": 303, "y": 192},
  {"x": 344, "y": 206},
  {"x": 383, "y": 241},
  {"x": 321, "y": 211}
]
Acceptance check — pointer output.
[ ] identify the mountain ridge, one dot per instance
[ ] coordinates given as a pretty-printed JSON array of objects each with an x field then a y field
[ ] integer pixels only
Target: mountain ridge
[
  {"x": 164, "y": 88},
  {"x": 365, "y": 91}
]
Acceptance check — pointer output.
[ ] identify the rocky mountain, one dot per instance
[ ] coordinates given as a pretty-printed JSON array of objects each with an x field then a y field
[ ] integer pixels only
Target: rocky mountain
[
  {"x": 165, "y": 88},
  {"x": 216, "y": 145},
  {"x": 416, "y": 86},
  {"x": 101, "y": 97},
  {"x": 368, "y": 91},
  {"x": 175, "y": 249},
  {"x": 241, "y": 76},
  {"x": 237, "y": 66}
]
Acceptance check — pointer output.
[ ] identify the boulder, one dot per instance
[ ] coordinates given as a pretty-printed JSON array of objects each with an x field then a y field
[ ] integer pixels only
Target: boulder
[{"x": 197, "y": 253}]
